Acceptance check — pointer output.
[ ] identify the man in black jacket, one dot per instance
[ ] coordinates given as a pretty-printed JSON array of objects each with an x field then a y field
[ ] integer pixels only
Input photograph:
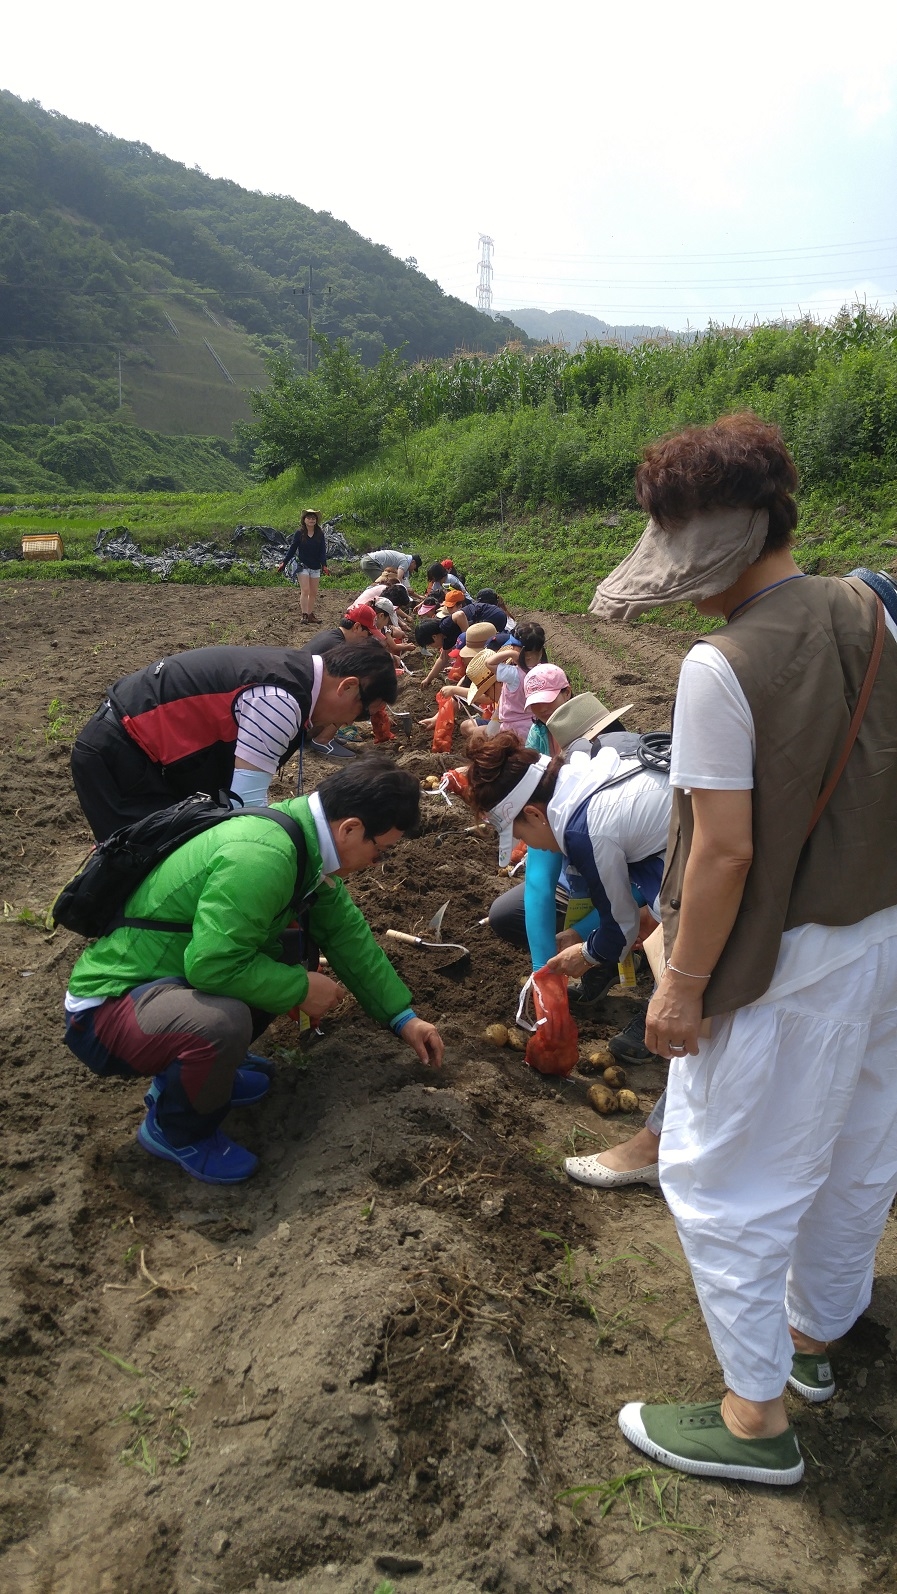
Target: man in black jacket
[{"x": 218, "y": 720}]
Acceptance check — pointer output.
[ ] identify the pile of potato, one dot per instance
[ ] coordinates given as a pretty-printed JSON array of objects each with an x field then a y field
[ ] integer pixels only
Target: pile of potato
[
  {"x": 430, "y": 782},
  {"x": 610, "y": 1096},
  {"x": 501, "y": 1035}
]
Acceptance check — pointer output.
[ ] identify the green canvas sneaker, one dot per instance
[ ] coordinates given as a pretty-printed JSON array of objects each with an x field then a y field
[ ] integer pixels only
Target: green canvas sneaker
[
  {"x": 695, "y": 1439},
  {"x": 811, "y": 1375}
]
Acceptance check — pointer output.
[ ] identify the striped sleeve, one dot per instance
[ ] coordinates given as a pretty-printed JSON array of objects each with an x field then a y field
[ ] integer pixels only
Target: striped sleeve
[{"x": 268, "y": 720}]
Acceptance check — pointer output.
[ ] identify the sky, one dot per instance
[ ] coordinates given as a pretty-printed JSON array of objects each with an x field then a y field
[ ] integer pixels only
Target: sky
[{"x": 650, "y": 163}]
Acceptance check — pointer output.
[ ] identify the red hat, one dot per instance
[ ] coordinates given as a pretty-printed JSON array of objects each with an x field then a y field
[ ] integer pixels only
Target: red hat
[
  {"x": 447, "y": 564},
  {"x": 363, "y": 614}
]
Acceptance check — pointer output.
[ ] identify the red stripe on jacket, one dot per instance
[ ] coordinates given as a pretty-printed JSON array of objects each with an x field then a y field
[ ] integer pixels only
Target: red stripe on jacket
[{"x": 190, "y": 724}]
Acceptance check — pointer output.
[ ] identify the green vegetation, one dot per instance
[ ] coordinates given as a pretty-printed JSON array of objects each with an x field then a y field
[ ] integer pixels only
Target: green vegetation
[
  {"x": 106, "y": 456},
  {"x": 521, "y": 465},
  {"x": 101, "y": 241},
  {"x": 526, "y": 428}
]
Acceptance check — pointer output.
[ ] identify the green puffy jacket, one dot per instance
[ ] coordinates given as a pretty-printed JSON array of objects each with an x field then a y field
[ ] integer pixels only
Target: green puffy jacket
[{"x": 235, "y": 884}]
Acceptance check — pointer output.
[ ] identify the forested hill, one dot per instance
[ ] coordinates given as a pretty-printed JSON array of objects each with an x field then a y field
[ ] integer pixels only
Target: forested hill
[
  {"x": 574, "y": 327},
  {"x": 103, "y": 242}
]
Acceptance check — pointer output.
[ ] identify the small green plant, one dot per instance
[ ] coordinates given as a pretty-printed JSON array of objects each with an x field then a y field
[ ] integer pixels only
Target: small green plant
[
  {"x": 385, "y": 1587},
  {"x": 120, "y": 1363},
  {"x": 59, "y": 722},
  {"x": 156, "y": 1439},
  {"x": 652, "y": 1501}
]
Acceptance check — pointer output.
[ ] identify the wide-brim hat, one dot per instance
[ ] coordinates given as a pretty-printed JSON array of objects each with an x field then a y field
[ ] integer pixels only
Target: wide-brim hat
[
  {"x": 697, "y": 560},
  {"x": 481, "y": 674},
  {"x": 306, "y": 512},
  {"x": 476, "y": 637},
  {"x": 583, "y": 716}
]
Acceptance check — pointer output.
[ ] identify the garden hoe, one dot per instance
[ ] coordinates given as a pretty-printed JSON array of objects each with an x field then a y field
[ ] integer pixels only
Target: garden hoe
[{"x": 437, "y": 944}]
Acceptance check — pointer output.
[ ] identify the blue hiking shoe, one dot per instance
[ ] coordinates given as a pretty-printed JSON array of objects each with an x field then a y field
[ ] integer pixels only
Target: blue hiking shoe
[
  {"x": 262, "y": 1065},
  {"x": 216, "y": 1160},
  {"x": 249, "y": 1086}
]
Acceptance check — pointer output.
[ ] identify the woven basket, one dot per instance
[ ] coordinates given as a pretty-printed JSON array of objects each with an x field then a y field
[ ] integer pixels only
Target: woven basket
[{"x": 48, "y": 545}]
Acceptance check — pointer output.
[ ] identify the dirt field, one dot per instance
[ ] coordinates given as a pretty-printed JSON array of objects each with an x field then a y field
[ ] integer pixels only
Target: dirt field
[{"x": 381, "y": 1363}]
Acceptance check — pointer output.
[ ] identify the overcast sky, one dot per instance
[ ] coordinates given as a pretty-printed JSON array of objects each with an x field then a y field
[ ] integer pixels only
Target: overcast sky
[{"x": 645, "y": 163}]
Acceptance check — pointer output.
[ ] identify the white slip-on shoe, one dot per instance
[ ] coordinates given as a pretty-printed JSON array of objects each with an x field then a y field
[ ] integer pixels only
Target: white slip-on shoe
[{"x": 591, "y": 1170}]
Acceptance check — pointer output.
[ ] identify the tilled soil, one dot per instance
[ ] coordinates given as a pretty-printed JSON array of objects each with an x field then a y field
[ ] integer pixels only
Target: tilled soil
[{"x": 395, "y": 1357}]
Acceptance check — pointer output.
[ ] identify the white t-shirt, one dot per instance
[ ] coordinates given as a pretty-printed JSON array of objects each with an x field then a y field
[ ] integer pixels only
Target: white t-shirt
[{"x": 713, "y": 750}]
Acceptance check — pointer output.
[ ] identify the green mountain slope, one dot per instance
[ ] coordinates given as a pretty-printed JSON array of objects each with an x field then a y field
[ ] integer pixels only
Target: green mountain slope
[
  {"x": 101, "y": 239},
  {"x": 193, "y": 376},
  {"x": 574, "y": 327}
]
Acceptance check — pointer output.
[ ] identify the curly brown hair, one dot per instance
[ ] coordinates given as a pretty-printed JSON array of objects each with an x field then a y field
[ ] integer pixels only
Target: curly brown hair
[
  {"x": 497, "y": 763},
  {"x": 738, "y": 460}
]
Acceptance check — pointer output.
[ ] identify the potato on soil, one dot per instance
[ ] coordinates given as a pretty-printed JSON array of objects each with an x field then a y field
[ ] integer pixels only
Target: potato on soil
[
  {"x": 627, "y": 1101},
  {"x": 517, "y": 1040},
  {"x": 615, "y": 1076},
  {"x": 496, "y": 1034},
  {"x": 602, "y": 1099},
  {"x": 600, "y": 1059}
]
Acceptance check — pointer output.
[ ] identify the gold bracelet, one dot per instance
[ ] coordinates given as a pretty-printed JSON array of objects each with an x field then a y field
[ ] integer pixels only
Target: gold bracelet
[{"x": 684, "y": 972}]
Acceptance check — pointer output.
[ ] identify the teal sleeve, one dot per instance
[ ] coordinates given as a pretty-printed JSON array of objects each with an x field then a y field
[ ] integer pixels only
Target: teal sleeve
[
  {"x": 543, "y": 871},
  {"x": 537, "y": 737},
  {"x": 585, "y": 926}
]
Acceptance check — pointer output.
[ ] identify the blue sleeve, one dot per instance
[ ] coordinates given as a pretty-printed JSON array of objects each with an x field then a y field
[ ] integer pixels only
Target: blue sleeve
[
  {"x": 543, "y": 870},
  {"x": 585, "y": 926},
  {"x": 291, "y": 551}
]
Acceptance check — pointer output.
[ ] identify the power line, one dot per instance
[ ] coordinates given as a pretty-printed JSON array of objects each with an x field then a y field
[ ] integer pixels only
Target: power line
[{"x": 792, "y": 250}]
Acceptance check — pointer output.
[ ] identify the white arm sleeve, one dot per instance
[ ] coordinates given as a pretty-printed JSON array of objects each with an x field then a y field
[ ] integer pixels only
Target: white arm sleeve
[
  {"x": 251, "y": 787},
  {"x": 713, "y": 728}
]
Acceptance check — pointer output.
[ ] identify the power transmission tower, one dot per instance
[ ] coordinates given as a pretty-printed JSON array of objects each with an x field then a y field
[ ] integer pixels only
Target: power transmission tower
[{"x": 484, "y": 277}]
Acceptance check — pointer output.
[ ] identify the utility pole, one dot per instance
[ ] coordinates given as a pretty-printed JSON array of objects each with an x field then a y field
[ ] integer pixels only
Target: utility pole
[
  {"x": 484, "y": 278},
  {"x": 306, "y": 294}
]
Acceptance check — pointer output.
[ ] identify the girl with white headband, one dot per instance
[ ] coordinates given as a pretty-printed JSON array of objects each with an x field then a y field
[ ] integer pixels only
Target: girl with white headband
[{"x": 609, "y": 817}]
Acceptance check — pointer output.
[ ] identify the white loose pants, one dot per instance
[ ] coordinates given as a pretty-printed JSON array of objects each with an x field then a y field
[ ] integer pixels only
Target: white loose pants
[{"x": 778, "y": 1159}]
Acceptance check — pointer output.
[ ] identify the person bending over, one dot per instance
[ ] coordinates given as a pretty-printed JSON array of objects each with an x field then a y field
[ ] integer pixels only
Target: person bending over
[
  {"x": 219, "y": 720},
  {"x": 180, "y": 1004},
  {"x": 607, "y": 816}
]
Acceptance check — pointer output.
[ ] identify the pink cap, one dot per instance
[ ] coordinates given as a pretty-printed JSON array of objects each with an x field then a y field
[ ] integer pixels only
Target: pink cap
[
  {"x": 543, "y": 684},
  {"x": 363, "y": 614}
]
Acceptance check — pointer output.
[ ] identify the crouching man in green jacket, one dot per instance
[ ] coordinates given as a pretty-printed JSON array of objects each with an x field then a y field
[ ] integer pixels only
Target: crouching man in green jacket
[{"x": 182, "y": 1003}]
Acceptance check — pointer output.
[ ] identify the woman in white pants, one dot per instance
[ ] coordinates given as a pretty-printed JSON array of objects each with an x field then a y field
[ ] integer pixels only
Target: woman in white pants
[{"x": 778, "y": 1151}]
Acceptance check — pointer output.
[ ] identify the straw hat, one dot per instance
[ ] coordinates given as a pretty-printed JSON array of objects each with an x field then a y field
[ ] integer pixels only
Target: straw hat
[
  {"x": 476, "y": 637},
  {"x": 481, "y": 674},
  {"x": 583, "y": 716}
]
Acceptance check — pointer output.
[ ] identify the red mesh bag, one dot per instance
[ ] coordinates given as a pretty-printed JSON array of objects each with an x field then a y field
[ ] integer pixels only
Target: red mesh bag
[
  {"x": 444, "y": 729},
  {"x": 456, "y": 781},
  {"x": 456, "y": 669},
  {"x": 383, "y": 731},
  {"x": 553, "y": 1047}
]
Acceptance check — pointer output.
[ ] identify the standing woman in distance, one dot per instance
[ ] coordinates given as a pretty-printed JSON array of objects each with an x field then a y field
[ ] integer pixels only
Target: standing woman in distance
[{"x": 309, "y": 549}]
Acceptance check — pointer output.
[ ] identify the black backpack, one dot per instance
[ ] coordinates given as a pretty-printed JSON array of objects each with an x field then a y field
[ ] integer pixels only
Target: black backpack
[{"x": 91, "y": 902}]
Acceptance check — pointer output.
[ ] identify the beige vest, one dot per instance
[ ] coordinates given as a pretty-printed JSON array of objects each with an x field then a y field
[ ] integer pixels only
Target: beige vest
[{"x": 800, "y": 655}]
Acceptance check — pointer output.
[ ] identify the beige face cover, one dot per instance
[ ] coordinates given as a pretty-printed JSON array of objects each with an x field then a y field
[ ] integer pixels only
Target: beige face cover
[{"x": 700, "y": 558}]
